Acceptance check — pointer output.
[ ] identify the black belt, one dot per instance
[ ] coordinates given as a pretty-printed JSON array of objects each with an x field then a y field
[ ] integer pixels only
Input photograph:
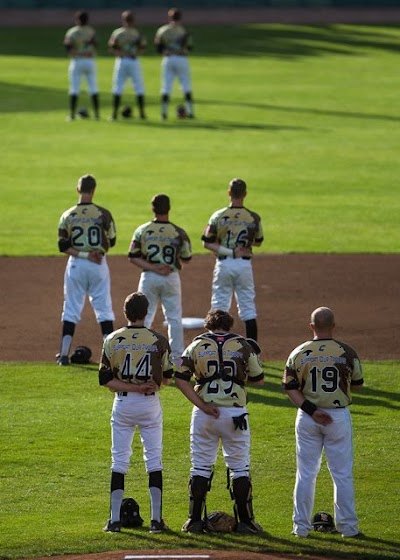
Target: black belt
[
  {"x": 237, "y": 258},
  {"x": 125, "y": 394}
]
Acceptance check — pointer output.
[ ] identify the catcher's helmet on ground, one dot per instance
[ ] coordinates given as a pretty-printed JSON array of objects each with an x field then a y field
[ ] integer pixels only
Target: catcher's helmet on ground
[
  {"x": 323, "y": 522},
  {"x": 130, "y": 514},
  {"x": 83, "y": 113},
  {"x": 126, "y": 112},
  {"x": 81, "y": 355},
  {"x": 181, "y": 112}
]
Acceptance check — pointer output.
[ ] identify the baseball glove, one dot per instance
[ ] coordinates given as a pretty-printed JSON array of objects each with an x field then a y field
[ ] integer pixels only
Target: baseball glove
[
  {"x": 126, "y": 112},
  {"x": 130, "y": 514},
  {"x": 220, "y": 522},
  {"x": 81, "y": 355},
  {"x": 323, "y": 522}
]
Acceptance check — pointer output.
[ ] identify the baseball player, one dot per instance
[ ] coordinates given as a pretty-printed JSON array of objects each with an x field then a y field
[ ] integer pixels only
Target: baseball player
[
  {"x": 221, "y": 362},
  {"x": 80, "y": 42},
  {"x": 134, "y": 363},
  {"x": 126, "y": 43},
  {"x": 230, "y": 234},
  {"x": 173, "y": 42},
  {"x": 319, "y": 377},
  {"x": 159, "y": 247},
  {"x": 85, "y": 233}
]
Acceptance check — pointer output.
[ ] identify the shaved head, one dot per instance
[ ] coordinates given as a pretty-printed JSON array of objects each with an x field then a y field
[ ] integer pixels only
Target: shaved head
[{"x": 322, "y": 318}]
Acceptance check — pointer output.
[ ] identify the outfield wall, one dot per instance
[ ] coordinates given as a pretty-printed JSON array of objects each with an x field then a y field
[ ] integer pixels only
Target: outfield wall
[{"x": 197, "y": 4}]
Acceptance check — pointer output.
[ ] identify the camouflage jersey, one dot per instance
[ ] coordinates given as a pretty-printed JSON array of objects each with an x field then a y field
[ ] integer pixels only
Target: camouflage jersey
[
  {"x": 81, "y": 39},
  {"x": 86, "y": 227},
  {"x": 135, "y": 355},
  {"x": 173, "y": 40},
  {"x": 128, "y": 40},
  {"x": 234, "y": 226},
  {"x": 221, "y": 364},
  {"x": 161, "y": 243},
  {"x": 323, "y": 370}
]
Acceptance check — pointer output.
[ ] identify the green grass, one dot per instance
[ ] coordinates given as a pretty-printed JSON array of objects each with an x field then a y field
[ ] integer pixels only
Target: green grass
[
  {"x": 308, "y": 115},
  {"x": 55, "y": 468}
]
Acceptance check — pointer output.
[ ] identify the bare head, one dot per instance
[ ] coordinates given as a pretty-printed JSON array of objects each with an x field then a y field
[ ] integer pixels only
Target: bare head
[
  {"x": 322, "y": 321},
  {"x": 127, "y": 18},
  {"x": 174, "y": 14},
  {"x": 86, "y": 184},
  {"x": 161, "y": 204},
  {"x": 218, "y": 320},
  {"x": 237, "y": 188},
  {"x": 135, "y": 307},
  {"x": 81, "y": 17}
]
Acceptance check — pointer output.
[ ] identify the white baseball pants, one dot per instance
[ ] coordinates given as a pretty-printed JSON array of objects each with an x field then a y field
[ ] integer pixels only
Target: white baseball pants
[
  {"x": 79, "y": 67},
  {"x": 84, "y": 278},
  {"x": 234, "y": 277},
  {"x": 167, "y": 291},
  {"x": 172, "y": 67},
  {"x": 336, "y": 440},
  {"x": 127, "y": 69},
  {"x": 144, "y": 413},
  {"x": 205, "y": 434}
]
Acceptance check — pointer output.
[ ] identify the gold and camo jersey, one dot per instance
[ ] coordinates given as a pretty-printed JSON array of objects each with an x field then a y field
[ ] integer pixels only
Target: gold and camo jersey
[
  {"x": 128, "y": 39},
  {"x": 80, "y": 38},
  {"x": 203, "y": 357},
  {"x": 234, "y": 226},
  {"x": 135, "y": 355},
  {"x": 161, "y": 242},
  {"x": 174, "y": 39},
  {"x": 89, "y": 227},
  {"x": 323, "y": 370}
]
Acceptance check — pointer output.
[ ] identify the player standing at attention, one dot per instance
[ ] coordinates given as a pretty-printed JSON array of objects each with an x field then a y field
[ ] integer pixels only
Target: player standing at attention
[
  {"x": 159, "y": 247},
  {"x": 173, "y": 42},
  {"x": 134, "y": 363},
  {"x": 230, "y": 234},
  {"x": 318, "y": 378},
  {"x": 80, "y": 42},
  {"x": 222, "y": 362},
  {"x": 126, "y": 43},
  {"x": 85, "y": 233}
]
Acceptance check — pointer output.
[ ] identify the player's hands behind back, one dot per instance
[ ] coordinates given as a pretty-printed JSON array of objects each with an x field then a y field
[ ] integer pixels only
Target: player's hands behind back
[
  {"x": 96, "y": 256},
  {"x": 321, "y": 417}
]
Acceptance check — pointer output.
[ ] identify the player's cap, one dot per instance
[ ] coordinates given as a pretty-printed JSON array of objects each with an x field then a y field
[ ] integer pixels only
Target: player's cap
[
  {"x": 136, "y": 306},
  {"x": 237, "y": 187},
  {"x": 86, "y": 184}
]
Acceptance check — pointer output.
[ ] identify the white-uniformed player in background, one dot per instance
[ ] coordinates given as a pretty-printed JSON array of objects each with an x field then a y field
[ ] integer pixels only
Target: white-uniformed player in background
[
  {"x": 230, "y": 234},
  {"x": 222, "y": 363},
  {"x": 173, "y": 42},
  {"x": 127, "y": 43},
  {"x": 159, "y": 247},
  {"x": 319, "y": 377},
  {"x": 80, "y": 42},
  {"x": 85, "y": 233},
  {"x": 134, "y": 363}
]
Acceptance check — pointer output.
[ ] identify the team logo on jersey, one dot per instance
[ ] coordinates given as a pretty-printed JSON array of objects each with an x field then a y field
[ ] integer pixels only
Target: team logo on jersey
[
  {"x": 120, "y": 339},
  {"x": 206, "y": 345}
]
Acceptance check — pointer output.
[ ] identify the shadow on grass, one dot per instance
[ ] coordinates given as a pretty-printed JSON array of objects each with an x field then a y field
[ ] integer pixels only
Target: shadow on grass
[{"x": 251, "y": 40}]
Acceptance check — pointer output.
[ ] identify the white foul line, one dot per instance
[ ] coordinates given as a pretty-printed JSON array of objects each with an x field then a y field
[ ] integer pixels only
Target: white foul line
[{"x": 137, "y": 556}]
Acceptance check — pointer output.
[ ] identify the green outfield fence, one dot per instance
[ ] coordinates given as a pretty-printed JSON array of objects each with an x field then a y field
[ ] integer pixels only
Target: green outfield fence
[{"x": 198, "y": 4}]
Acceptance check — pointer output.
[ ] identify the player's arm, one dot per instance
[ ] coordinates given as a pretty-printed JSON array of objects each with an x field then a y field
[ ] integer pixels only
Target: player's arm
[
  {"x": 158, "y": 268},
  {"x": 222, "y": 251},
  {"x": 186, "y": 387},
  {"x": 107, "y": 379},
  {"x": 319, "y": 416}
]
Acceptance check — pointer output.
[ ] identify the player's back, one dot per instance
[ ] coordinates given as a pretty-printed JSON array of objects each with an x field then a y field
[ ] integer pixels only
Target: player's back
[
  {"x": 81, "y": 39},
  {"x": 173, "y": 38},
  {"x": 129, "y": 40},
  {"x": 234, "y": 226},
  {"x": 137, "y": 354}
]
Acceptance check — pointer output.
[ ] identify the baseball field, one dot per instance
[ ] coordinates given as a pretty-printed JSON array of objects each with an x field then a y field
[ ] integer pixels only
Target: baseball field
[{"x": 309, "y": 116}]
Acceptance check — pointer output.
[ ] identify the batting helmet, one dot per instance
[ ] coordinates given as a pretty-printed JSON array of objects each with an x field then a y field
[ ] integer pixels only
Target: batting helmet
[
  {"x": 323, "y": 522},
  {"x": 181, "y": 112},
  {"x": 83, "y": 113},
  {"x": 130, "y": 514},
  {"x": 126, "y": 112},
  {"x": 81, "y": 355}
]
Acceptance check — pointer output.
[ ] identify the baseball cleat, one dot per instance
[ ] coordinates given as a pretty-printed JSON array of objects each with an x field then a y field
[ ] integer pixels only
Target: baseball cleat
[
  {"x": 112, "y": 526},
  {"x": 358, "y": 535},
  {"x": 158, "y": 526},
  {"x": 299, "y": 536},
  {"x": 193, "y": 527},
  {"x": 62, "y": 360}
]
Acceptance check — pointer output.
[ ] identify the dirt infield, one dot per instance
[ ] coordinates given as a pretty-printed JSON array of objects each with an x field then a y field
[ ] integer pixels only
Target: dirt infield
[{"x": 363, "y": 291}]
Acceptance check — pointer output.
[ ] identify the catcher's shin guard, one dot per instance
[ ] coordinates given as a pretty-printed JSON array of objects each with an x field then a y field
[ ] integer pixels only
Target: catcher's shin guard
[
  {"x": 198, "y": 488},
  {"x": 242, "y": 493}
]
